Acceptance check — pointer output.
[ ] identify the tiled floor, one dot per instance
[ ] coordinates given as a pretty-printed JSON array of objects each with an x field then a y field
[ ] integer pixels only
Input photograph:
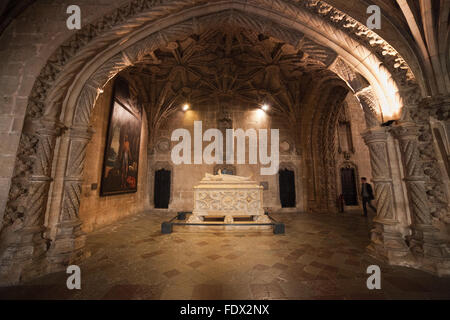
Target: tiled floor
[{"x": 321, "y": 256}]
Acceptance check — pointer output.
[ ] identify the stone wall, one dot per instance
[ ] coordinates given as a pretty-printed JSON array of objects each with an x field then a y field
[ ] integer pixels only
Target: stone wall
[
  {"x": 25, "y": 46},
  {"x": 359, "y": 158},
  {"x": 96, "y": 211},
  {"x": 185, "y": 177}
]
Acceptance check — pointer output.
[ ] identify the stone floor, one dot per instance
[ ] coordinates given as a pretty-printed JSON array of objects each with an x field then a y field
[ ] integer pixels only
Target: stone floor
[{"x": 321, "y": 256}]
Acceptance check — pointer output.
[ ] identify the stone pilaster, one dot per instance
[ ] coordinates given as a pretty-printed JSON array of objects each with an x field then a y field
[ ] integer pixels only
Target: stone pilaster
[
  {"x": 387, "y": 242},
  {"x": 26, "y": 246},
  {"x": 68, "y": 245},
  {"x": 425, "y": 244}
]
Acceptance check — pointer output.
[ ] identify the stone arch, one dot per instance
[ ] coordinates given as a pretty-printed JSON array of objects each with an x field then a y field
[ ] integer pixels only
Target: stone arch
[
  {"x": 63, "y": 95},
  {"x": 319, "y": 142},
  {"x": 362, "y": 90}
]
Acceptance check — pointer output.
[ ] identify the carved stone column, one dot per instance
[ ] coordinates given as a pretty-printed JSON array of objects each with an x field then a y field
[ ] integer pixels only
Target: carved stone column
[
  {"x": 67, "y": 247},
  {"x": 387, "y": 242},
  {"x": 25, "y": 244},
  {"x": 425, "y": 243}
]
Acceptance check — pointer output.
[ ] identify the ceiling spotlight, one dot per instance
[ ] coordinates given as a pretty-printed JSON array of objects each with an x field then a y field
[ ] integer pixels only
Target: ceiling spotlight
[
  {"x": 185, "y": 106},
  {"x": 265, "y": 107}
]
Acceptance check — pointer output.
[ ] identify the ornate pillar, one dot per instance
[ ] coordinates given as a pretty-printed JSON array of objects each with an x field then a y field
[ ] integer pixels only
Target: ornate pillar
[
  {"x": 387, "y": 242},
  {"x": 26, "y": 246},
  {"x": 67, "y": 247},
  {"x": 425, "y": 244}
]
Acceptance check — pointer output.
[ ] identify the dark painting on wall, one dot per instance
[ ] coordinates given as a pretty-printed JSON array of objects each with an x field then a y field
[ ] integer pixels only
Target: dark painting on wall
[{"x": 121, "y": 159}]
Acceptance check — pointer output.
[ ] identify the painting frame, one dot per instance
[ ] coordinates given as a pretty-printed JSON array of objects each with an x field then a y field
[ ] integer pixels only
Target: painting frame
[{"x": 120, "y": 169}]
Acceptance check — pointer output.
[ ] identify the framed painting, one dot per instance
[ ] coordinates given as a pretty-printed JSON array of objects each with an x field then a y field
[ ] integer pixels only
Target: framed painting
[{"x": 121, "y": 158}]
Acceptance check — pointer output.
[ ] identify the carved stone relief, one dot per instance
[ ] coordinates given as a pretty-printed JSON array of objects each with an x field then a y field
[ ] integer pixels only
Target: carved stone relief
[{"x": 163, "y": 145}]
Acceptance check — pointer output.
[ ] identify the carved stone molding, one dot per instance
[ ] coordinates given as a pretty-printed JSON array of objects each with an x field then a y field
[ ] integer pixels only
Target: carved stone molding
[
  {"x": 163, "y": 145},
  {"x": 349, "y": 75},
  {"x": 23, "y": 236},
  {"x": 287, "y": 146},
  {"x": 437, "y": 107},
  {"x": 319, "y": 143}
]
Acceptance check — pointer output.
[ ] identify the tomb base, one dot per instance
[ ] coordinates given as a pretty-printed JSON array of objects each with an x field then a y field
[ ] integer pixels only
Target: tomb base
[{"x": 230, "y": 200}]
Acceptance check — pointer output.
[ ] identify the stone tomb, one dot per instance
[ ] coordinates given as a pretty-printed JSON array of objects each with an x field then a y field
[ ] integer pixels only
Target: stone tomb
[{"x": 228, "y": 196}]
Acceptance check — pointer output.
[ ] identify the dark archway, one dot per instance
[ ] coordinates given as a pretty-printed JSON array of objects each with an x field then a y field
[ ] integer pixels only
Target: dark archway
[
  {"x": 348, "y": 184},
  {"x": 162, "y": 188},
  {"x": 287, "y": 188}
]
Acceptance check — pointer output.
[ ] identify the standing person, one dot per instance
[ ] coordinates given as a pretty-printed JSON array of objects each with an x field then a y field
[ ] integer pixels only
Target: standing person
[{"x": 367, "y": 195}]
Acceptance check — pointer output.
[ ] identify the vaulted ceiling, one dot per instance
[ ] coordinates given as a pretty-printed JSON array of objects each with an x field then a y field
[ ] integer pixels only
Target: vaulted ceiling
[
  {"x": 418, "y": 29},
  {"x": 235, "y": 66}
]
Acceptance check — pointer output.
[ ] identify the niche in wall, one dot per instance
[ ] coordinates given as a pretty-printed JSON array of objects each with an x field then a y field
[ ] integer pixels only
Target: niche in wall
[
  {"x": 162, "y": 188},
  {"x": 348, "y": 184},
  {"x": 287, "y": 188}
]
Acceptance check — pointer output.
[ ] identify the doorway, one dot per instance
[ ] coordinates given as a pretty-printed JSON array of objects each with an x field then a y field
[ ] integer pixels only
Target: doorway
[
  {"x": 287, "y": 188},
  {"x": 162, "y": 188},
  {"x": 348, "y": 183}
]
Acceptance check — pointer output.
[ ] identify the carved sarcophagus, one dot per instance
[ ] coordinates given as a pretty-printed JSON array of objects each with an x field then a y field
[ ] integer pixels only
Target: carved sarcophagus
[{"x": 228, "y": 199}]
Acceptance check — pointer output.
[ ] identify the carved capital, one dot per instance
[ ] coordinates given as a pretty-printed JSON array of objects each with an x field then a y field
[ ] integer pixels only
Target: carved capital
[
  {"x": 49, "y": 127},
  {"x": 375, "y": 135},
  {"x": 47, "y": 131},
  {"x": 81, "y": 133},
  {"x": 405, "y": 130}
]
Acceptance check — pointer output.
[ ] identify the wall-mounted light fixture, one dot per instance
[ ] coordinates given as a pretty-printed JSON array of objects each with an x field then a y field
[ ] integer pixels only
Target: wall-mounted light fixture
[
  {"x": 185, "y": 107},
  {"x": 265, "y": 107}
]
